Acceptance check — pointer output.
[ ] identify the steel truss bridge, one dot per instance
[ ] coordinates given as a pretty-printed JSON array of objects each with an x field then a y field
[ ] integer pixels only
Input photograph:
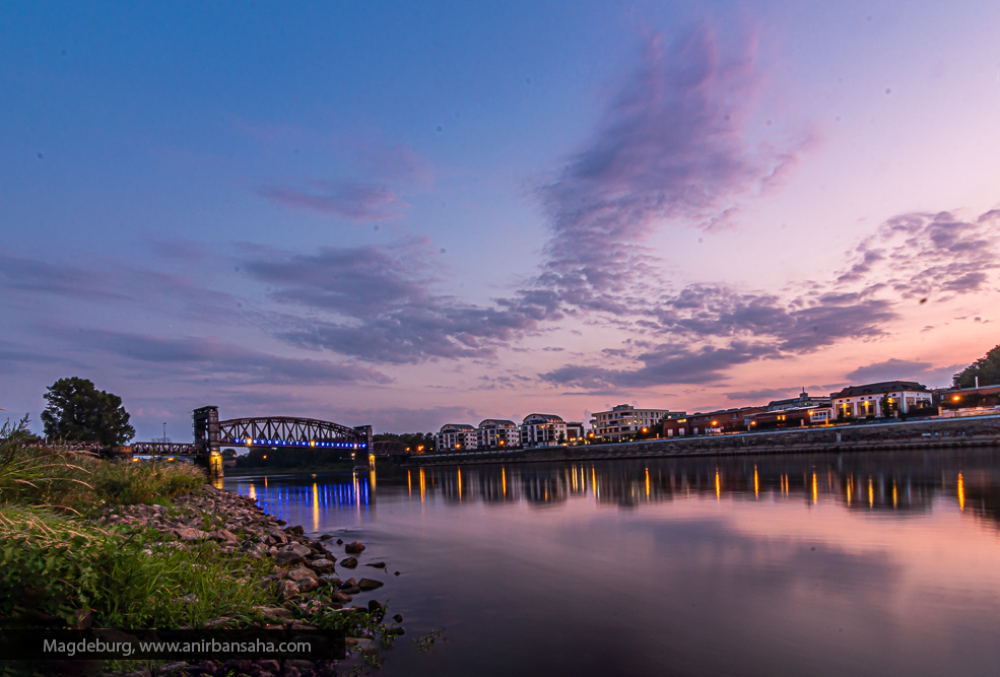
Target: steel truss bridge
[
  {"x": 284, "y": 431},
  {"x": 164, "y": 448},
  {"x": 210, "y": 434}
]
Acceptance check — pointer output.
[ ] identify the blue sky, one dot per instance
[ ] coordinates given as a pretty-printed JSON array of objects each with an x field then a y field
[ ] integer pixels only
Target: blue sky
[{"x": 410, "y": 213}]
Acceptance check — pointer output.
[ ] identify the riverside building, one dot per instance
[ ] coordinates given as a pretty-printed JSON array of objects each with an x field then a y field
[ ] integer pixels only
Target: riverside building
[
  {"x": 496, "y": 433},
  {"x": 623, "y": 422},
  {"x": 456, "y": 437},
  {"x": 877, "y": 400},
  {"x": 543, "y": 430}
]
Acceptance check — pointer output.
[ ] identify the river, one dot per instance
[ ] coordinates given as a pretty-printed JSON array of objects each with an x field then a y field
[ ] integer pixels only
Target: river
[{"x": 854, "y": 564}]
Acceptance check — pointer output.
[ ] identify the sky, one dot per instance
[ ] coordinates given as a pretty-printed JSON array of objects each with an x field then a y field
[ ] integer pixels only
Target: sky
[{"x": 406, "y": 214}]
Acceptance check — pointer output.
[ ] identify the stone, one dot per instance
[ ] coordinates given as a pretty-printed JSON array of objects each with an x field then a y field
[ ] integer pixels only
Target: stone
[
  {"x": 340, "y": 597},
  {"x": 398, "y": 618},
  {"x": 298, "y": 625},
  {"x": 299, "y": 664},
  {"x": 298, "y": 549},
  {"x": 223, "y": 535},
  {"x": 217, "y": 622},
  {"x": 269, "y": 664},
  {"x": 189, "y": 534},
  {"x": 375, "y": 606},
  {"x": 301, "y": 573},
  {"x": 288, "y": 557},
  {"x": 396, "y": 574},
  {"x": 205, "y": 668},
  {"x": 326, "y": 537},
  {"x": 289, "y": 588},
  {"x": 291, "y": 672},
  {"x": 172, "y": 668},
  {"x": 330, "y": 580},
  {"x": 354, "y": 548},
  {"x": 307, "y": 584},
  {"x": 321, "y": 565},
  {"x": 340, "y": 541},
  {"x": 349, "y": 562},
  {"x": 351, "y": 590},
  {"x": 377, "y": 565},
  {"x": 369, "y": 584},
  {"x": 82, "y": 619},
  {"x": 294, "y": 531},
  {"x": 237, "y": 665}
]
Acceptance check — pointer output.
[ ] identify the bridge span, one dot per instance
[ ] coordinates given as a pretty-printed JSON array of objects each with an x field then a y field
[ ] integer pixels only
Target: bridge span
[{"x": 273, "y": 432}]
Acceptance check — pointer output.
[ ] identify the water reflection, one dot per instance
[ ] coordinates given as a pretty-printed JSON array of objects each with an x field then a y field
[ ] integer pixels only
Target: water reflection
[
  {"x": 885, "y": 483},
  {"x": 881, "y": 564}
]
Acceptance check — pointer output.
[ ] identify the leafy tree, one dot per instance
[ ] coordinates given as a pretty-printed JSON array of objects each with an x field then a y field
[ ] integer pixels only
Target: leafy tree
[
  {"x": 987, "y": 368},
  {"x": 78, "y": 411}
]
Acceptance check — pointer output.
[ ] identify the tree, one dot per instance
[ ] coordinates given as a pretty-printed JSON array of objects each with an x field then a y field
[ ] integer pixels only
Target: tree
[
  {"x": 987, "y": 368},
  {"x": 78, "y": 411}
]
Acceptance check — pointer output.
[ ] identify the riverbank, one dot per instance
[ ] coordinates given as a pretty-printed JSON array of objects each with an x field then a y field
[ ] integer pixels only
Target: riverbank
[
  {"x": 938, "y": 433},
  {"x": 97, "y": 544}
]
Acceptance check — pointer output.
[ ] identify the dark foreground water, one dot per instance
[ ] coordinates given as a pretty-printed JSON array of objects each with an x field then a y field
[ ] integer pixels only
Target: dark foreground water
[{"x": 882, "y": 564}]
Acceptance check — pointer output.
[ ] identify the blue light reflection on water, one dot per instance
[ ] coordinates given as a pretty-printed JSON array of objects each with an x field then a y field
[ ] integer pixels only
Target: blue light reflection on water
[{"x": 860, "y": 564}]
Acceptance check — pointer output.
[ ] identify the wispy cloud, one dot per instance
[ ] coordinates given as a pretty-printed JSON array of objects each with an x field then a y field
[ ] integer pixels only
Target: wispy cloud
[
  {"x": 211, "y": 357},
  {"x": 671, "y": 148},
  {"x": 923, "y": 254},
  {"x": 379, "y": 304},
  {"x": 356, "y": 202}
]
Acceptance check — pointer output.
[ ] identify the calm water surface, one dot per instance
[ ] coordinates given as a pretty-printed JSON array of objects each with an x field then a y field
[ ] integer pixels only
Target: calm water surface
[{"x": 883, "y": 564}]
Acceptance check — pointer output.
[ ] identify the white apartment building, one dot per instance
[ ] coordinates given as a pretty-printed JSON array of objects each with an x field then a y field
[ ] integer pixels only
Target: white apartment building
[
  {"x": 496, "y": 433},
  {"x": 456, "y": 437},
  {"x": 543, "y": 430},
  {"x": 870, "y": 400},
  {"x": 624, "y": 421}
]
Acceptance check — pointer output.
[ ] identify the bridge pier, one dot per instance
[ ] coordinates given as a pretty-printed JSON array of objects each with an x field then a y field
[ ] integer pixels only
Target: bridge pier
[{"x": 208, "y": 439}]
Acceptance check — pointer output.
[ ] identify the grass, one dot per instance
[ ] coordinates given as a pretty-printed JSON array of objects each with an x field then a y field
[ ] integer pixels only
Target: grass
[
  {"x": 80, "y": 481},
  {"x": 58, "y": 564}
]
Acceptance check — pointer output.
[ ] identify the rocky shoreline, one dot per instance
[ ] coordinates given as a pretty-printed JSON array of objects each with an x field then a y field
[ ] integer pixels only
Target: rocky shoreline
[{"x": 301, "y": 566}]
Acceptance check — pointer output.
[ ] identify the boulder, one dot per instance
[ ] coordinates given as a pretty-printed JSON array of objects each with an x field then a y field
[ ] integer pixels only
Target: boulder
[
  {"x": 354, "y": 548},
  {"x": 374, "y": 606},
  {"x": 369, "y": 584},
  {"x": 189, "y": 534},
  {"x": 300, "y": 573},
  {"x": 298, "y": 549},
  {"x": 269, "y": 664},
  {"x": 307, "y": 584},
  {"x": 205, "y": 668},
  {"x": 349, "y": 562},
  {"x": 294, "y": 531},
  {"x": 326, "y": 537},
  {"x": 340, "y": 597},
  {"x": 321, "y": 565},
  {"x": 299, "y": 664},
  {"x": 223, "y": 535},
  {"x": 237, "y": 665},
  {"x": 288, "y": 557}
]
